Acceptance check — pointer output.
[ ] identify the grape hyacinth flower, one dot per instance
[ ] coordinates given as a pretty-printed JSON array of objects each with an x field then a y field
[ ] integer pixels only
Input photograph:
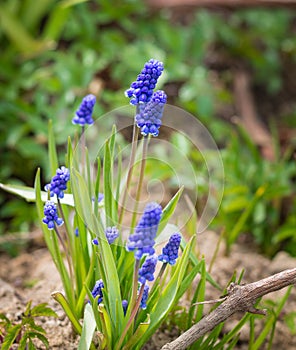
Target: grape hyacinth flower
[
  {"x": 144, "y": 297},
  {"x": 149, "y": 118},
  {"x": 51, "y": 215},
  {"x": 170, "y": 251},
  {"x": 141, "y": 90},
  {"x": 58, "y": 183},
  {"x": 124, "y": 306},
  {"x": 143, "y": 239},
  {"x": 84, "y": 113},
  {"x": 111, "y": 234},
  {"x": 146, "y": 272},
  {"x": 97, "y": 290}
]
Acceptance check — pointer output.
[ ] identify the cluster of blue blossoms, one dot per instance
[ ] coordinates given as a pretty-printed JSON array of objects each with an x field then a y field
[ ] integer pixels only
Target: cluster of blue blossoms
[
  {"x": 144, "y": 297},
  {"x": 111, "y": 234},
  {"x": 146, "y": 272},
  {"x": 51, "y": 215},
  {"x": 58, "y": 183},
  {"x": 150, "y": 104},
  {"x": 149, "y": 118},
  {"x": 84, "y": 113},
  {"x": 141, "y": 90},
  {"x": 170, "y": 251},
  {"x": 97, "y": 290},
  {"x": 142, "y": 241}
]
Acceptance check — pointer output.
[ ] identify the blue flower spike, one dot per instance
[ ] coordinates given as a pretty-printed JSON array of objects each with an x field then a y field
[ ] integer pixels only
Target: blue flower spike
[
  {"x": 170, "y": 251},
  {"x": 58, "y": 183},
  {"x": 84, "y": 113},
  {"x": 97, "y": 290},
  {"x": 146, "y": 272},
  {"x": 149, "y": 118},
  {"x": 51, "y": 215},
  {"x": 142, "y": 241},
  {"x": 141, "y": 90},
  {"x": 111, "y": 234},
  {"x": 143, "y": 304}
]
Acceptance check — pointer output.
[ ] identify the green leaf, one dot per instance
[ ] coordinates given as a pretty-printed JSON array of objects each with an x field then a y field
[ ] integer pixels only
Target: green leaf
[
  {"x": 271, "y": 320},
  {"x": 136, "y": 337},
  {"x": 231, "y": 238},
  {"x": 3, "y": 317},
  {"x": 108, "y": 196},
  {"x": 10, "y": 336},
  {"x": 88, "y": 328},
  {"x": 38, "y": 335},
  {"x": 169, "y": 210},
  {"x": 59, "y": 297},
  {"x": 43, "y": 310},
  {"x": 28, "y": 193},
  {"x": 52, "y": 152}
]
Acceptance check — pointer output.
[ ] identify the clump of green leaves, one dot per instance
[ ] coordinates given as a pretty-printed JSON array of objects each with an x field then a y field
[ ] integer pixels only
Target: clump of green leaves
[{"x": 25, "y": 330}]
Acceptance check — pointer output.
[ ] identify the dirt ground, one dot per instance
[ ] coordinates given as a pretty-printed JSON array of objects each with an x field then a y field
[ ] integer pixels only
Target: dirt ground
[{"x": 32, "y": 276}]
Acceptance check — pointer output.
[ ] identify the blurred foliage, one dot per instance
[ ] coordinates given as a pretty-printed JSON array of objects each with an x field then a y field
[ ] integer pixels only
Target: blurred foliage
[{"x": 54, "y": 52}]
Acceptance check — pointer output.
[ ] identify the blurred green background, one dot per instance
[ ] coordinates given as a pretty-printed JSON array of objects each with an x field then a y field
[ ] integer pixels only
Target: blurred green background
[{"x": 55, "y": 52}]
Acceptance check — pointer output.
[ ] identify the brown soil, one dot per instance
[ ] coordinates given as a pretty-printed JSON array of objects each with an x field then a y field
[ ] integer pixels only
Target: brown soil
[{"x": 32, "y": 276}]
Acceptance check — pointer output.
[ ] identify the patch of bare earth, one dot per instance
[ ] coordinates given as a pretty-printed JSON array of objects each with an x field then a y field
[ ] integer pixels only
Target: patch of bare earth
[{"x": 34, "y": 277}]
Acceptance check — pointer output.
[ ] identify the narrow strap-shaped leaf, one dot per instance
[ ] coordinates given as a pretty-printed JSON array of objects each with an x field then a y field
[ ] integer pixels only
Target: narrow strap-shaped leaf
[
  {"x": 135, "y": 338},
  {"x": 108, "y": 196},
  {"x": 52, "y": 152},
  {"x": 169, "y": 210},
  {"x": 59, "y": 297},
  {"x": 88, "y": 328},
  {"x": 28, "y": 193}
]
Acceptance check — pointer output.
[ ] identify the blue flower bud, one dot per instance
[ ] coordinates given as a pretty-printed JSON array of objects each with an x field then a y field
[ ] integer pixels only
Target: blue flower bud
[
  {"x": 142, "y": 241},
  {"x": 95, "y": 241},
  {"x": 144, "y": 297},
  {"x": 141, "y": 90},
  {"x": 124, "y": 306},
  {"x": 170, "y": 251},
  {"x": 97, "y": 290},
  {"x": 84, "y": 112},
  {"x": 51, "y": 215},
  {"x": 146, "y": 272},
  {"x": 58, "y": 183},
  {"x": 149, "y": 118}
]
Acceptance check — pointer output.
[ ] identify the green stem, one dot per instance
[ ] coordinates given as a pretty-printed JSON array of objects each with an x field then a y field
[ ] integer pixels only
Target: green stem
[
  {"x": 132, "y": 317},
  {"x": 130, "y": 171},
  {"x": 82, "y": 142},
  {"x": 158, "y": 278},
  {"x": 66, "y": 252},
  {"x": 140, "y": 182},
  {"x": 69, "y": 249},
  {"x": 161, "y": 272},
  {"x": 135, "y": 284}
]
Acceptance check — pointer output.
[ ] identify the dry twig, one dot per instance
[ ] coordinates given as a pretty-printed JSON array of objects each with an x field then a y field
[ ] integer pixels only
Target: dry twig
[{"x": 240, "y": 298}]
